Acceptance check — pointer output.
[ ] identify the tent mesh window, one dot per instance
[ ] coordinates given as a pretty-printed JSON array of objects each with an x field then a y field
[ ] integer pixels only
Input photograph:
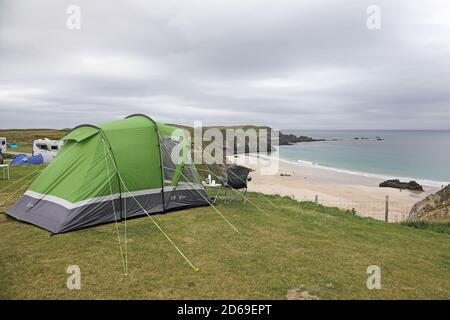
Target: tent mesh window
[
  {"x": 174, "y": 155},
  {"x": 189, "y": 177},
  {"x": 169, "y": 166}
]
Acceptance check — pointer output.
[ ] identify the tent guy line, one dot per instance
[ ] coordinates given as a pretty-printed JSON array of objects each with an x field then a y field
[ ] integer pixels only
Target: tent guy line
[
  {"x": 215, "y": 175},
  {"x": 217, "y": 210},
  {"x": 26, "y": 184},
  {"x": 24, "y": 177},
  {"x": 124, "y": 260},
  {"x": 152, "y": 219},
  {"x": 207, "y": 200}
]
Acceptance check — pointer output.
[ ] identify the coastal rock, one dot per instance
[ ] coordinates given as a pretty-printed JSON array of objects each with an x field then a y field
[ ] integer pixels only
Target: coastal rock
[
  {"x": 289, "y": 139},
  {"x": 366, "y": 138},
  {"x": 411, "y": 185},
  {"x": 435, "y": 206}
]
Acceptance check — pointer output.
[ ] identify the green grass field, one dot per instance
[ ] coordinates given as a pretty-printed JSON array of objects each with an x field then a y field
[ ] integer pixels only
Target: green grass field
[{"x": 304, "y": 246}]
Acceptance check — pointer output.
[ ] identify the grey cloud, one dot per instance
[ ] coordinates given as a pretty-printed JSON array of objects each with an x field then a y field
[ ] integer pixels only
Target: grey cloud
[{"x": 288, "y": 64}]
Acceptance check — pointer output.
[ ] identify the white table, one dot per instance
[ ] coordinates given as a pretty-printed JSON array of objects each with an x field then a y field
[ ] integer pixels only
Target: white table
[
  {"x": 5, "y": 168},
  {"x": 216, "y": 185}
]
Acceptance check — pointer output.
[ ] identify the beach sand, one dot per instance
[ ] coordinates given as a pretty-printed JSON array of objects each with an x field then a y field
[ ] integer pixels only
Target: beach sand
[{"x": 332, "y": 188}]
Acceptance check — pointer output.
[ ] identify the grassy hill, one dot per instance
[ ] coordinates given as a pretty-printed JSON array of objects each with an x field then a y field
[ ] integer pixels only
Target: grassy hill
[
  {"x": 293, "y": 245},
  {"x": 25, "y": 137}
]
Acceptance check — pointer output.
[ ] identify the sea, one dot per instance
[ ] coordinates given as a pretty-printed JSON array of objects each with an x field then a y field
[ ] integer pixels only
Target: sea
[{"x": 423, "y": 156}]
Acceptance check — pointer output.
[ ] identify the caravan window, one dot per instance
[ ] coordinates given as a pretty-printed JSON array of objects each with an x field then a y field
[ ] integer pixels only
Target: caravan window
[
  {"x": 3, "y": 142},
  {"x": 42, "y": 146},
  {"x": 54, "y": 147}
]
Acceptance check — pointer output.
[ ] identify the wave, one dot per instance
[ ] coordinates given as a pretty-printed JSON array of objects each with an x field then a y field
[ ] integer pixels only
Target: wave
[{"x": 426, "y": 182}]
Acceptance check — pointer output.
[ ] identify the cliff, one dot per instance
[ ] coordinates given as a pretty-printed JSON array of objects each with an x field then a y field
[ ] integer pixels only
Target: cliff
[{"x": 434, "y": 207}]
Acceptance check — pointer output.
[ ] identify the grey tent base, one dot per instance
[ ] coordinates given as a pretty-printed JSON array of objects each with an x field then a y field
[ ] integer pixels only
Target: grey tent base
[{"x": 58, "y": 219}]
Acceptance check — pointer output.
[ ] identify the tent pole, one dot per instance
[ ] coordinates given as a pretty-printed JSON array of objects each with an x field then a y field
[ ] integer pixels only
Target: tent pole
[
  {"x": 117, "y": 172},
  {"x": 161, "y": 167},
  {"x": 160, "y": 154}
]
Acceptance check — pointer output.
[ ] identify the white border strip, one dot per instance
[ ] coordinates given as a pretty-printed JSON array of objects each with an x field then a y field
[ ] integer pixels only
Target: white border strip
[
  {"x": 72, "y": 205},
  {"x": 50, "y": 198}
]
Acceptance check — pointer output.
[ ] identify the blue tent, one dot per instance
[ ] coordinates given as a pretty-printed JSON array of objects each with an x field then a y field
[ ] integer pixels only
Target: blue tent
[
  {"x": 23, "y": 160},
  {"x": 37, "y": 159},
  {"x": 19, "y": 160}
]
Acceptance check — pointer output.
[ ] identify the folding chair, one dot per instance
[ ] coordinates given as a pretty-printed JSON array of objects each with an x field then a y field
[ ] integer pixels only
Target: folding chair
[{"x": 237, "y": 177}]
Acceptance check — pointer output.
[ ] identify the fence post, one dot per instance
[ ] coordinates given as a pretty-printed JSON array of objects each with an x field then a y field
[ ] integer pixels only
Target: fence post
[
  {"x": 316, "y": 199},
  {"x": 386, "y": 209}
]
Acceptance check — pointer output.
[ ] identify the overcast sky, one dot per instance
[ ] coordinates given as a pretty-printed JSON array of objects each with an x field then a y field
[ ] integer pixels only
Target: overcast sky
[{"x": 288, "y": 64}]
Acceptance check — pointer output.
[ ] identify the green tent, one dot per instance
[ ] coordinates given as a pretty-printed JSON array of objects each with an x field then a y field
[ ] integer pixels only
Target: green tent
[{"x": 113, "y": 171}]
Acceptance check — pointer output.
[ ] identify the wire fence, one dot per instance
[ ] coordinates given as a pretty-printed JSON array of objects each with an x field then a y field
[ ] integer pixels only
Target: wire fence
[{"x": 387, "y": 210}]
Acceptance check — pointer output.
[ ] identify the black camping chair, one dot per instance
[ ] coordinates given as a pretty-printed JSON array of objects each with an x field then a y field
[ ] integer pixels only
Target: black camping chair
[{"x": 237, "y": 178}]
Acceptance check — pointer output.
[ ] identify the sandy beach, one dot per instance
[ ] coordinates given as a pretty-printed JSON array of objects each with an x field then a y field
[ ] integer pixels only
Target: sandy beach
[{"x": 304, "y": 182}]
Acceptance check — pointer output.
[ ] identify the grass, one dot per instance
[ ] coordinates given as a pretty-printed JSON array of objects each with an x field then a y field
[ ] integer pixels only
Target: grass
[
  {"x": 324, "y": 251},
  {"x": 11, "y": 190},
  {"x": 25, "y": 137},
  {"x": 441, "y": 226}
]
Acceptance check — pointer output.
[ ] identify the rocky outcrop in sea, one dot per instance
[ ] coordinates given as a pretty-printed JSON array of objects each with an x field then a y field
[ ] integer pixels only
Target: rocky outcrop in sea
[{"x": 397, "y": 184}]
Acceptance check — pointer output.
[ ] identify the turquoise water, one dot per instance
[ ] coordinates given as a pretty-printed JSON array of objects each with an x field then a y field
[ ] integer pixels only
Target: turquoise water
[{"x": 422, "y": 155}]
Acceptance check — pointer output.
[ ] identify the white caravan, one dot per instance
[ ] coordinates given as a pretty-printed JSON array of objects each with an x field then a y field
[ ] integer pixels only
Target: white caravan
[
  {"x": 47, "y": 148},
  {"x": 2, "y": 144}
]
